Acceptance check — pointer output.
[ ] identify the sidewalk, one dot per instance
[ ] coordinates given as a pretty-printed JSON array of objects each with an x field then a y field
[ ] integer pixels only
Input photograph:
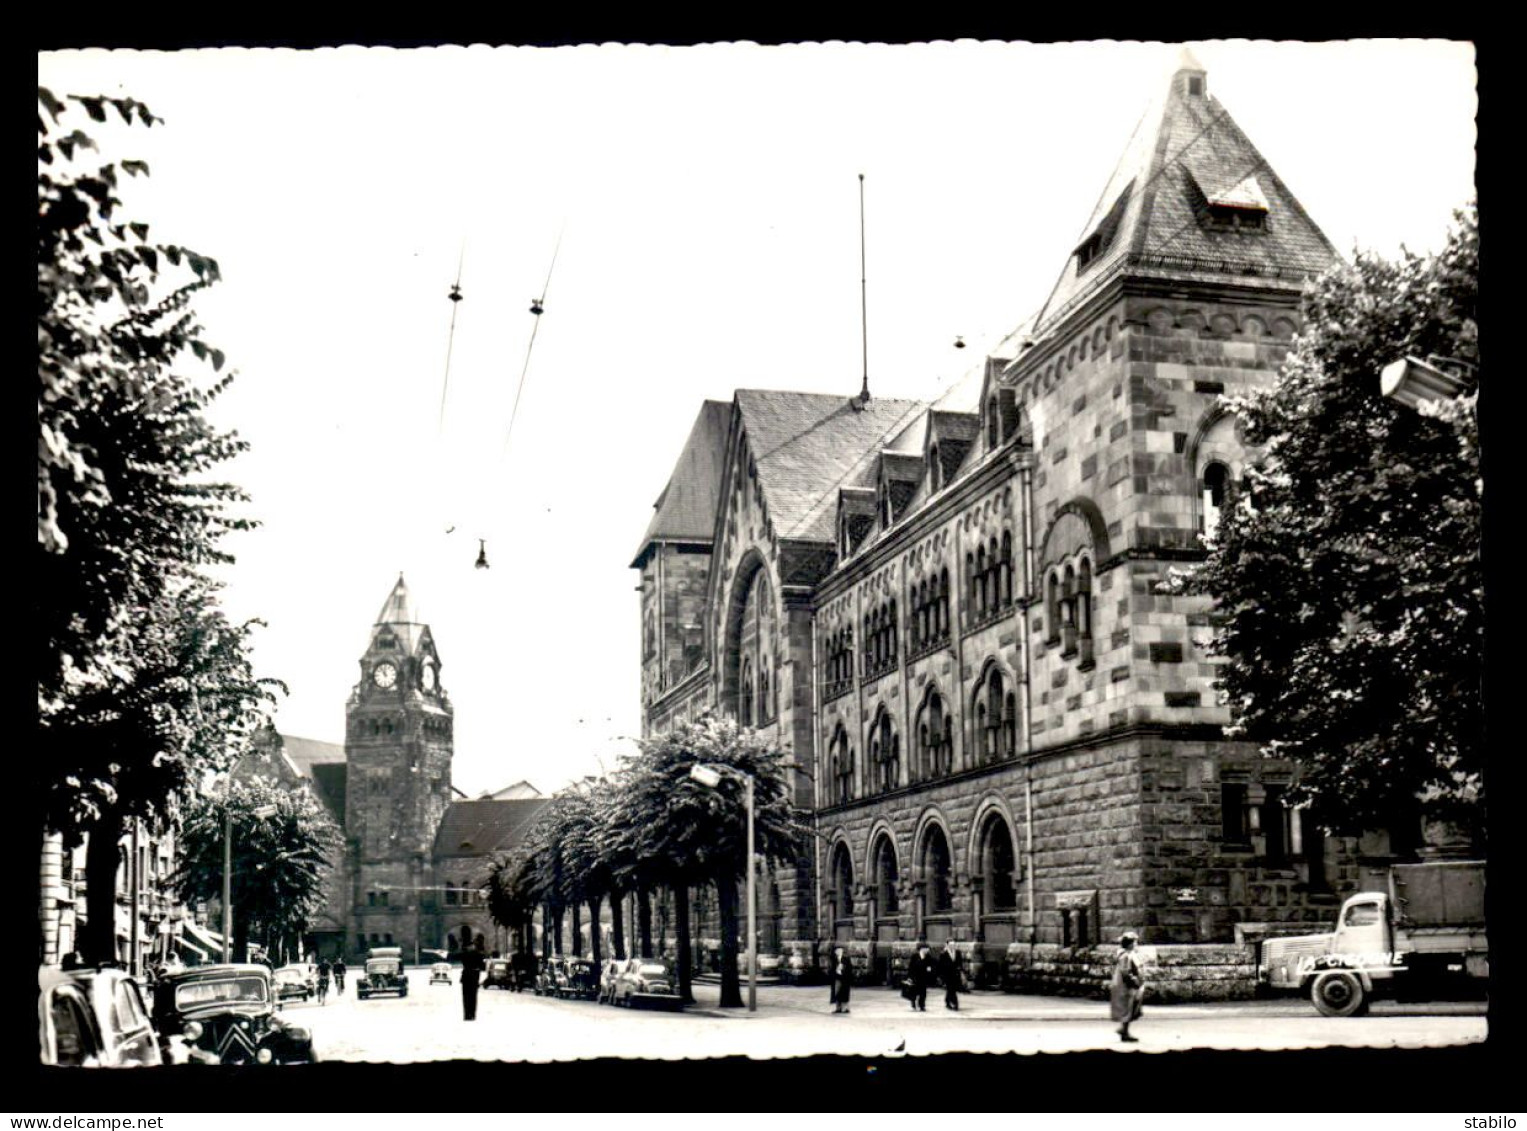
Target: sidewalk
[{"x": 993, "y": 1005}]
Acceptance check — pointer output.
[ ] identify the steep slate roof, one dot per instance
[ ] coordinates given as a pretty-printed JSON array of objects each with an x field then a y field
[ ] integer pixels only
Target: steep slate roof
[
  {"x": 398, "y": 614},
  {"x": 807, "y": 445},
  {"x": 478, "y": 828},
  {"x": 686, "y": 510},
  {"x": 1185, "y": 145}
]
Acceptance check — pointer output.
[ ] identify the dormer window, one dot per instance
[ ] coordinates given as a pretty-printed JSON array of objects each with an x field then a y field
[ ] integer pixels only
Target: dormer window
[
  {"x": 1101, "y": 238},
  {"x": 1195, "y": 86},
  {"x": 993, "y": 424},
  {"x": 1242, "y": 207}
]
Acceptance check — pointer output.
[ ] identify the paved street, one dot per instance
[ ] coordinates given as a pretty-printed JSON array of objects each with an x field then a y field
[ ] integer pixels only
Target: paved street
[{"x": 796, "y": 1021}]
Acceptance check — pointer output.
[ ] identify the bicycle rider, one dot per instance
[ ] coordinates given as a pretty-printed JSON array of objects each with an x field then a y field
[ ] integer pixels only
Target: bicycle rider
[{"x": 323, "y": 980}]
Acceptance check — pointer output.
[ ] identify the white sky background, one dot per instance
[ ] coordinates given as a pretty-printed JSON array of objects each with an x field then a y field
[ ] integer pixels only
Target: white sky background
[{"x": 708, "y": 200}]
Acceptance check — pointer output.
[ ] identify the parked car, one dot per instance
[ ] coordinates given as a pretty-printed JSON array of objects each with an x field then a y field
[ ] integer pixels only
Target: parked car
[
  {"x": 647, "y": 981},
  {"x": 580, "y": 978},
  {"x": 546, "y": 978},
  {"x": 384, "y": 973},
  {"x": 291, "y": 982},
  {"x": 440, "y": 974},
  {"x": 94, "y": 1018},
  {"x": 498, "y": 972},
  {"x": 607, "y": 976},
  {"x": 309, "y": 972},
  {"x": 227, "y": 1015}
]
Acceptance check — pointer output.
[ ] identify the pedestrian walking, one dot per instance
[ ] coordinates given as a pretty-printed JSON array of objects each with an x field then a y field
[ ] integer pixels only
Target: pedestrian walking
[
  {"x": 339, "y": 976},
  {"x": 920, "y": 973},
  {"x": 1128, "y": 986},
  {"x": 842, "y": 979},
  {"x": 949, "y": 974},
  {"x": 472, "y": 963}
]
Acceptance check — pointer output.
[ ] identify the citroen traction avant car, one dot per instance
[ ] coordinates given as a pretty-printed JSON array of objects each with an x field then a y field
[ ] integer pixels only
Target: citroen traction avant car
[
  {"x": 440, "y": 974},
  {"x": 384, "y": 973},
  {"x": 95, "y": 1017},
  {"x": 546, "y": 979},
  {"x": 607, "y": 977},
  {"x": 580, "y": 978},
  {"x": 227, "y": 1015},
  {"x": 647, "y": 981}
]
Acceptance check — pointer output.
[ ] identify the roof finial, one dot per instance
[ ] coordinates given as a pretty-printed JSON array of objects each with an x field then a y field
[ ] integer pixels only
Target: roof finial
[{"x": 864, "y": 391}]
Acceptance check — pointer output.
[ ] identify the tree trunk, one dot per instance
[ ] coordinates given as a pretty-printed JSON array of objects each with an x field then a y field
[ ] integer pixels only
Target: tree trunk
[
  {"x": 644, "y": 919},
  {"x": 618, "y": 923},
  {"x": 556, "y": 938},
  {"x": 577, "y": 932},
  {"x": 596, "y": 949},
  {"x": 682, "y": 960},
  {"x": 726, "y": 900},
  {"x": 97, "y": 942}
]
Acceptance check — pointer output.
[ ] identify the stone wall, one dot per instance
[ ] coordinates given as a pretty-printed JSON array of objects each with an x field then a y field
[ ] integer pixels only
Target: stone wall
[{"x": 1172, "y": 973}]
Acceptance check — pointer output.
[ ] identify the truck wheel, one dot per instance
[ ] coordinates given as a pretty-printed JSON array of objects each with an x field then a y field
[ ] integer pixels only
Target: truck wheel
[{"x": 1338, "y": 993}]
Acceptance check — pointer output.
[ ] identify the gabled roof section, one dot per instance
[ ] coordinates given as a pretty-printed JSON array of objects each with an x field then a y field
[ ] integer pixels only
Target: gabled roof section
[
  {"x": 399, "y": 615},
  {"x": 807, "y": 446},
  {"x": 483, "y": 827},
  {"x": 1187, "y": 152},
  {"x": 686, "y": 510}
]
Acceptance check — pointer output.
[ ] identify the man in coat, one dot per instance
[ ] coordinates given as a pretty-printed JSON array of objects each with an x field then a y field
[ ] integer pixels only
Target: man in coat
[
  {"x": 472, "y": 962},
  {"x": 949, "y": 974},
  {"x": 842, "y": 979},
  {"x": 921, "y": 972},
  {"x": 1128, "y": 985}
]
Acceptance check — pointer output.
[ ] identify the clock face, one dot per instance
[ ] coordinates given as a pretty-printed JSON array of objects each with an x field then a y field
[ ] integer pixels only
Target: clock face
[
  {"x": 429, "y": 677},
  {"x": 384, "y": 675}
]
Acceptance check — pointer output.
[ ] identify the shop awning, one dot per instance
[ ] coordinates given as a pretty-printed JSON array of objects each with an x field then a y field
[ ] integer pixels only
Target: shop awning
[{"x": 204, "y": 937}]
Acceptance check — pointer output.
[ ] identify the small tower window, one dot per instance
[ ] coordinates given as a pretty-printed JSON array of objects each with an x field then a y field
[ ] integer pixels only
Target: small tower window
[
  {"x": 1195, "y": 86},
  {"x": 1216, "y": 485}
]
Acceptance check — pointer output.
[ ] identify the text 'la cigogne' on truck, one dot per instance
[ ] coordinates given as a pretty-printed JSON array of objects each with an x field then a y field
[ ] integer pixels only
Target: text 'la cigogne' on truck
[{"x": 1424, "y": 937}]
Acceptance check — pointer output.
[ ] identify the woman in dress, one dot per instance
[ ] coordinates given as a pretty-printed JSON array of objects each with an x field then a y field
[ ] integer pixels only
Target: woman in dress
[{"x": 842, "y": 979}]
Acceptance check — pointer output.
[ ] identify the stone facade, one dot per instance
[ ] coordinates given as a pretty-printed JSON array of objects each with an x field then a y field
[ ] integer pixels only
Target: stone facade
[{"x": 958, "y": 614}]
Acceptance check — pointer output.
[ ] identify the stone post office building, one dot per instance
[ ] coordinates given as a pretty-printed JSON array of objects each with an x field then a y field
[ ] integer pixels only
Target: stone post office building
[{"x": 953, "y": 613}]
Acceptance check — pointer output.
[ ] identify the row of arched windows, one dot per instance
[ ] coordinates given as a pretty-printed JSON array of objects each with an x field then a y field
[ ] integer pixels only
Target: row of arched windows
[
  {"x": 1068, "y": 610},
  {"x": 996, "y": 868},
  {"x": 994, "y": 718},
  {"x": 930, "y": 610},
  {"x": 989, "y": 576},
  {"x": 880, "y": 639}
]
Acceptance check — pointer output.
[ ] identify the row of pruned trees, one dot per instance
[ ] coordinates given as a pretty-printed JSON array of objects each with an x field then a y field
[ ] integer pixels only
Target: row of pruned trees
[{"x": 651, "y": 826}]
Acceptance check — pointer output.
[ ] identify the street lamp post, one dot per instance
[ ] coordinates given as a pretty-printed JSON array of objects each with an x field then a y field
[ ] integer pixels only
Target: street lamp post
[{"x": 710, "y": 775}]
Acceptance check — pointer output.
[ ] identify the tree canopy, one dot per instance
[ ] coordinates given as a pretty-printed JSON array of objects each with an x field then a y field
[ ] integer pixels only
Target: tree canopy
[
  {"x": 282, "y": 841},
  {"x": 1347, "y": 576}
]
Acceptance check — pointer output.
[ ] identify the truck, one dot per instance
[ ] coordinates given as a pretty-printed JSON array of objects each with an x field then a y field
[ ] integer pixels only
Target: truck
[{"x": 1422, "y": 937}]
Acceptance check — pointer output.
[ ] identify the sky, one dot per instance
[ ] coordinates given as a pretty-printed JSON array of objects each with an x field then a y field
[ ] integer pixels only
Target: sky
[{"x": 692, "y": 217}]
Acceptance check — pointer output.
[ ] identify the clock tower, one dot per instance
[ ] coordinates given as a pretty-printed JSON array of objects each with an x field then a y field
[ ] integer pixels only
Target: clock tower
[{"x": 398, "y": 745}]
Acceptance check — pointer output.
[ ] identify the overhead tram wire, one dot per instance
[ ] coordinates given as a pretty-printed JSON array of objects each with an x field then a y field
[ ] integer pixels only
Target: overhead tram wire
[
  {"x": 455, "y": 296},
  {"x": 537, "y": 308}
]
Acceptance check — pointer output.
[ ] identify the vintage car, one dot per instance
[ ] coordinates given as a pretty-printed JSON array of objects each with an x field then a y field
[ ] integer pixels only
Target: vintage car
[
  {"x": 95, "y": 1018},
  {"x": 498, "y": 972},
  {"x": 607, "y": 976},
  {"x": 579, "y": 978},
  {"x": 227, "y": 1015},
  {"x": 647, "y": 981},
  {"x": 384, "y": 973},
  {"x": 546, "y": 978},
  {"x": 440, "y": 974},
  {"x": 291, "y": 982}
]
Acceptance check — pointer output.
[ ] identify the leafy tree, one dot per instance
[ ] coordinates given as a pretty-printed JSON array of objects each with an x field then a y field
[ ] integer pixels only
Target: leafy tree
[
  {"x": 1347, "y": 577},
  {"x": 685, "y": 833},
  {"x": 282, "y": 840}
]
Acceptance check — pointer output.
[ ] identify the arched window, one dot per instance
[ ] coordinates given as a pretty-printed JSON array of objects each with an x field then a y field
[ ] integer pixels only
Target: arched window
[
  {"x": 981, "y": 581},
  {"x": 1068, "y": 613},
  {"x": 935, "y": 469},
  {"x": 886, "y": 877},
  {"x": 998, "y": 865},
  {"x": 1084, "y": 611},
  {"x": 764, "y": 702},
  {"x": 842, "y": 883},
  {"x": 891, "y": 636},
  {"x": 993, "y": 424},
  {"x": 1215, "y": 491},
  {"x": 885, "y": 752},
  {"x": 842, "y": 761},
  {"x": 943, "y": 602},
  {"x": 1009, "y": 726},
  {"x": 933, "y": 737},
  {"x": 970, "y": 586},
  {"x": 937, "y": 889},
  {"x": 1005, "y": 569},
  {"x": 1052, "y": 609},
  {"x": 746, "y": 704},
  {"x": 994, "y": 742},
  {"x": 924, "y": 611}
]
